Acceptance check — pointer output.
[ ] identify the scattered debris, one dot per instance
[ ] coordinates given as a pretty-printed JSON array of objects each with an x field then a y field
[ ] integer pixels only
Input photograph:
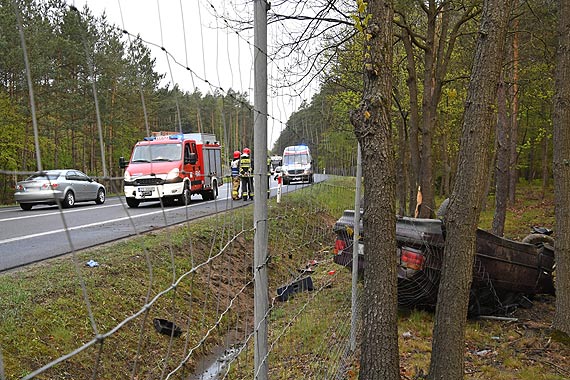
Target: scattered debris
[
  {"x": 166, "y": 327},
  {"x": 309, "y": 267},
  {"x": 497, "y": 318},
  {"x": 284, "y": 292},
  {"x": 407, "y": 335},
  {"x": 92, "y": 263}
]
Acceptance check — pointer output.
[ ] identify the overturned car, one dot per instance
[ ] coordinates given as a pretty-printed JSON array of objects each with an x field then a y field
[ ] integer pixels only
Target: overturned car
[{"x": 506, "y": 273}]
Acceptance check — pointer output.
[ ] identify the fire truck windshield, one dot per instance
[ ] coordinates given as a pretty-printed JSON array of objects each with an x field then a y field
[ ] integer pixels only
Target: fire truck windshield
[{"x": 157, "y": 152}]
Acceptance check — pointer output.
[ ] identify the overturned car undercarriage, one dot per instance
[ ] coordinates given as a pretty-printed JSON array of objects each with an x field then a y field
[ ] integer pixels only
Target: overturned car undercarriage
[{"x": 506, "y": 273}]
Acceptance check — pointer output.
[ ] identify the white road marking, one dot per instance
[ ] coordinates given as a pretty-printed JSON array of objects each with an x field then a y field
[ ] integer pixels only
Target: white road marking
[
  {"x": 56, "y": 212},
  {"x": 19, "y": 238}
]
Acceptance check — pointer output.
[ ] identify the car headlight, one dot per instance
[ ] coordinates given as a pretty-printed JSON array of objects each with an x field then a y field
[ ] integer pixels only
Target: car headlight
[
  {"x": 127, "y": 176},
  {"x": 173, "y": 175}
]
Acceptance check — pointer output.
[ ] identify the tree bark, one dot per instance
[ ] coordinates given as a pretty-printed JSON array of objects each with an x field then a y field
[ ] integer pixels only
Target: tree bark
[
  {"x": 412, "y": 83},
  {"x": 430, "y": 100},
  {"x": 372, "y": 124},
  {"x": 561, "y": 121},
  {"x": 448, "y": 345},
  {"x": 404, "y": 175},
  {"x": 514, "y": 125},
  {"x": 545, "y": 172},
  {"x": 502, "y": 168}
]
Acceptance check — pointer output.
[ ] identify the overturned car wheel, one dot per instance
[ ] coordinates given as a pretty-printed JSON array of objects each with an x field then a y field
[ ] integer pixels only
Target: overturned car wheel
[
  {"x": 442, "y": 210},
  {"x": 539, "y": 239}
]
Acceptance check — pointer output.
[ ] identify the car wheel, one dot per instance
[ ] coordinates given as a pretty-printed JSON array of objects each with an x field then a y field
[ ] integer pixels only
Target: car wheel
[
  {"x": 133, "y": 203},
  {"x": 69, "y": 199},
  {"x": 539, "y": 239},
  {"x": 210, "y": 195},
  {"x": 185, "y": 197},
  {"x": 26, "y": 206},
  {"x": 100, "y": 197},
  {"x": 442, "y": 210}
]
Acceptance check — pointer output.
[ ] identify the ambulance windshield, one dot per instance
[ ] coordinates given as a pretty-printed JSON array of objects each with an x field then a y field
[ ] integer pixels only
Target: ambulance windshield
[{"x": 296, "y": 159}]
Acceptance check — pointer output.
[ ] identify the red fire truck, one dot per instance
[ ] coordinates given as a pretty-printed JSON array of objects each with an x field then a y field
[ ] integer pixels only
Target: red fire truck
[{"x": 171, "y": 167}]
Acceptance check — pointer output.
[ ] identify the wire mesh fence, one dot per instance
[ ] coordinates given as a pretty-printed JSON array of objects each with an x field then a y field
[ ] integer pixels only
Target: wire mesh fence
[
  {"x": 108, "y": 288},
  {"x": 175, "y": 300}
]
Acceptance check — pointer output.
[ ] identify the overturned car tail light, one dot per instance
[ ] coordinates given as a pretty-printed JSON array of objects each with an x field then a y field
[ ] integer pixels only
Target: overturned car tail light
[
  {"x": 411, "y": 258},
  {"x": 339, "y": 245}
]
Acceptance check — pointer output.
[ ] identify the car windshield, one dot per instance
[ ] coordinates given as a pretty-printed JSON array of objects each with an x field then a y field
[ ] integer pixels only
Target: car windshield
[
  {"x": 293, "y": 159},
  {"x": 43, "y": 177},
  {"x": 158, "y": 152}
]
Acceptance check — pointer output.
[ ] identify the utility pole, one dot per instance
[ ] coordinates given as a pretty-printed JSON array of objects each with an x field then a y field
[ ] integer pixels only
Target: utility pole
[{"x": 260, "y": 185}]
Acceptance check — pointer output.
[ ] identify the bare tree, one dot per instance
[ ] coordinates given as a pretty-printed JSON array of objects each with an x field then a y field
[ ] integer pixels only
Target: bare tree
[
  {"x": 447, "y": 360},
  {"x": 561, "y": 121},
  {"x": 445, "y": 22},
  {"x": 372, "y": 124}
]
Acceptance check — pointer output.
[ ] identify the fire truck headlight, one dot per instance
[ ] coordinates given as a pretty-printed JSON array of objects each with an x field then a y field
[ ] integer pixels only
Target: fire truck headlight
[
  {"x": 128, "y": 179},
  {"x": 173, "y": 175}
]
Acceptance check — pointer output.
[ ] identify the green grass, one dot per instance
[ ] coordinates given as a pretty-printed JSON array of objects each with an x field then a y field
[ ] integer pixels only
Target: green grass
[
  {"x": 44, "y": 314},
  {"x": 531, "y": 208}
]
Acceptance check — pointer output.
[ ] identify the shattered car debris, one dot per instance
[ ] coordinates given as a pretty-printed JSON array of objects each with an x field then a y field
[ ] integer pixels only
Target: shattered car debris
[{"x": 505, "y": 272}]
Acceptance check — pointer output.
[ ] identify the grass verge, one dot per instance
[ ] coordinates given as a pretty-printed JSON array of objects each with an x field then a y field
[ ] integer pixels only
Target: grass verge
[{"x": 50, "y": 309}]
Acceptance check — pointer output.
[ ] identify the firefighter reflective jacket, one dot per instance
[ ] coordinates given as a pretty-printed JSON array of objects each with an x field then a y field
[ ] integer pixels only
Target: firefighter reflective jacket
[{"x": 245, "y": 166}]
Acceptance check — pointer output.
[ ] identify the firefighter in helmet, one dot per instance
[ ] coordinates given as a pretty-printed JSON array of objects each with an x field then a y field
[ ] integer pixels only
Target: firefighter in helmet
[
  {"x": 246, "y": 174},
  {"x": 235, "y": 175}
]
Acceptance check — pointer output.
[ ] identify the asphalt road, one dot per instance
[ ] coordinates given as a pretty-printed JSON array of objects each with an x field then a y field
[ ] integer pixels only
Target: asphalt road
[{"x": 45, "y": 232}]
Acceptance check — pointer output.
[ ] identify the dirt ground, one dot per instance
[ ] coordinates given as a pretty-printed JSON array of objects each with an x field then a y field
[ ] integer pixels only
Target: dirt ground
[{"x": 527, "y": 342}]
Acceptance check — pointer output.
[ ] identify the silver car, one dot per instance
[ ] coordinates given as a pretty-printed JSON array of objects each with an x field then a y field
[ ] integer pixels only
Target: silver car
[{"x": 58, "y": 186}]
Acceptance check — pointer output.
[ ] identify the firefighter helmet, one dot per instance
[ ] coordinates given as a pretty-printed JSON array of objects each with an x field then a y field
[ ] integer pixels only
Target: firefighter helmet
[
  {"x": 237, "y": 154},
  {"x": 246, "y": 151}
]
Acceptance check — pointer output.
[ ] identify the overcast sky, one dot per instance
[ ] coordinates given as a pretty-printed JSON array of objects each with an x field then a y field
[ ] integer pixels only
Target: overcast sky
[{"x": 200, "y": 41}]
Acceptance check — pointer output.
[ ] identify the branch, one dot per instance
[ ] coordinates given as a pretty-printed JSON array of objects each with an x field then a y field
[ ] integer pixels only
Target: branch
[{"x": 280, "y": 17}]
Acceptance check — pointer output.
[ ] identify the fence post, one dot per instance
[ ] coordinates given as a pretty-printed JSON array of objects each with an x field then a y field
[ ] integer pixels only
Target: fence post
[{"x": 261, "y": 302}]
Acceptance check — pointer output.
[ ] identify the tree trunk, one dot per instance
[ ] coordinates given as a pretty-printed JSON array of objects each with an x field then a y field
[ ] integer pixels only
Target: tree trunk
[
  {"x": 430, "y": 100},
  {"x": 379, "y": 350},
  {"x": 514, "y": 125},
  {"x": 448, "y": 345},
  {"x": 561, "y": 121},
  {"x": 412, "y": 83},
  {"x": 403, "y": 173},
  {"x": 502, "y": 169},
  {"x": 545, "y": 174},
  {"x": 490, "y": 178},
  {"x": 446, "y": 180}
]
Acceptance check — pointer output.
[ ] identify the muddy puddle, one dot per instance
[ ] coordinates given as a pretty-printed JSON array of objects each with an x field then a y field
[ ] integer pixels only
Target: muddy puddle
[{"x": 215, "y": 365}]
